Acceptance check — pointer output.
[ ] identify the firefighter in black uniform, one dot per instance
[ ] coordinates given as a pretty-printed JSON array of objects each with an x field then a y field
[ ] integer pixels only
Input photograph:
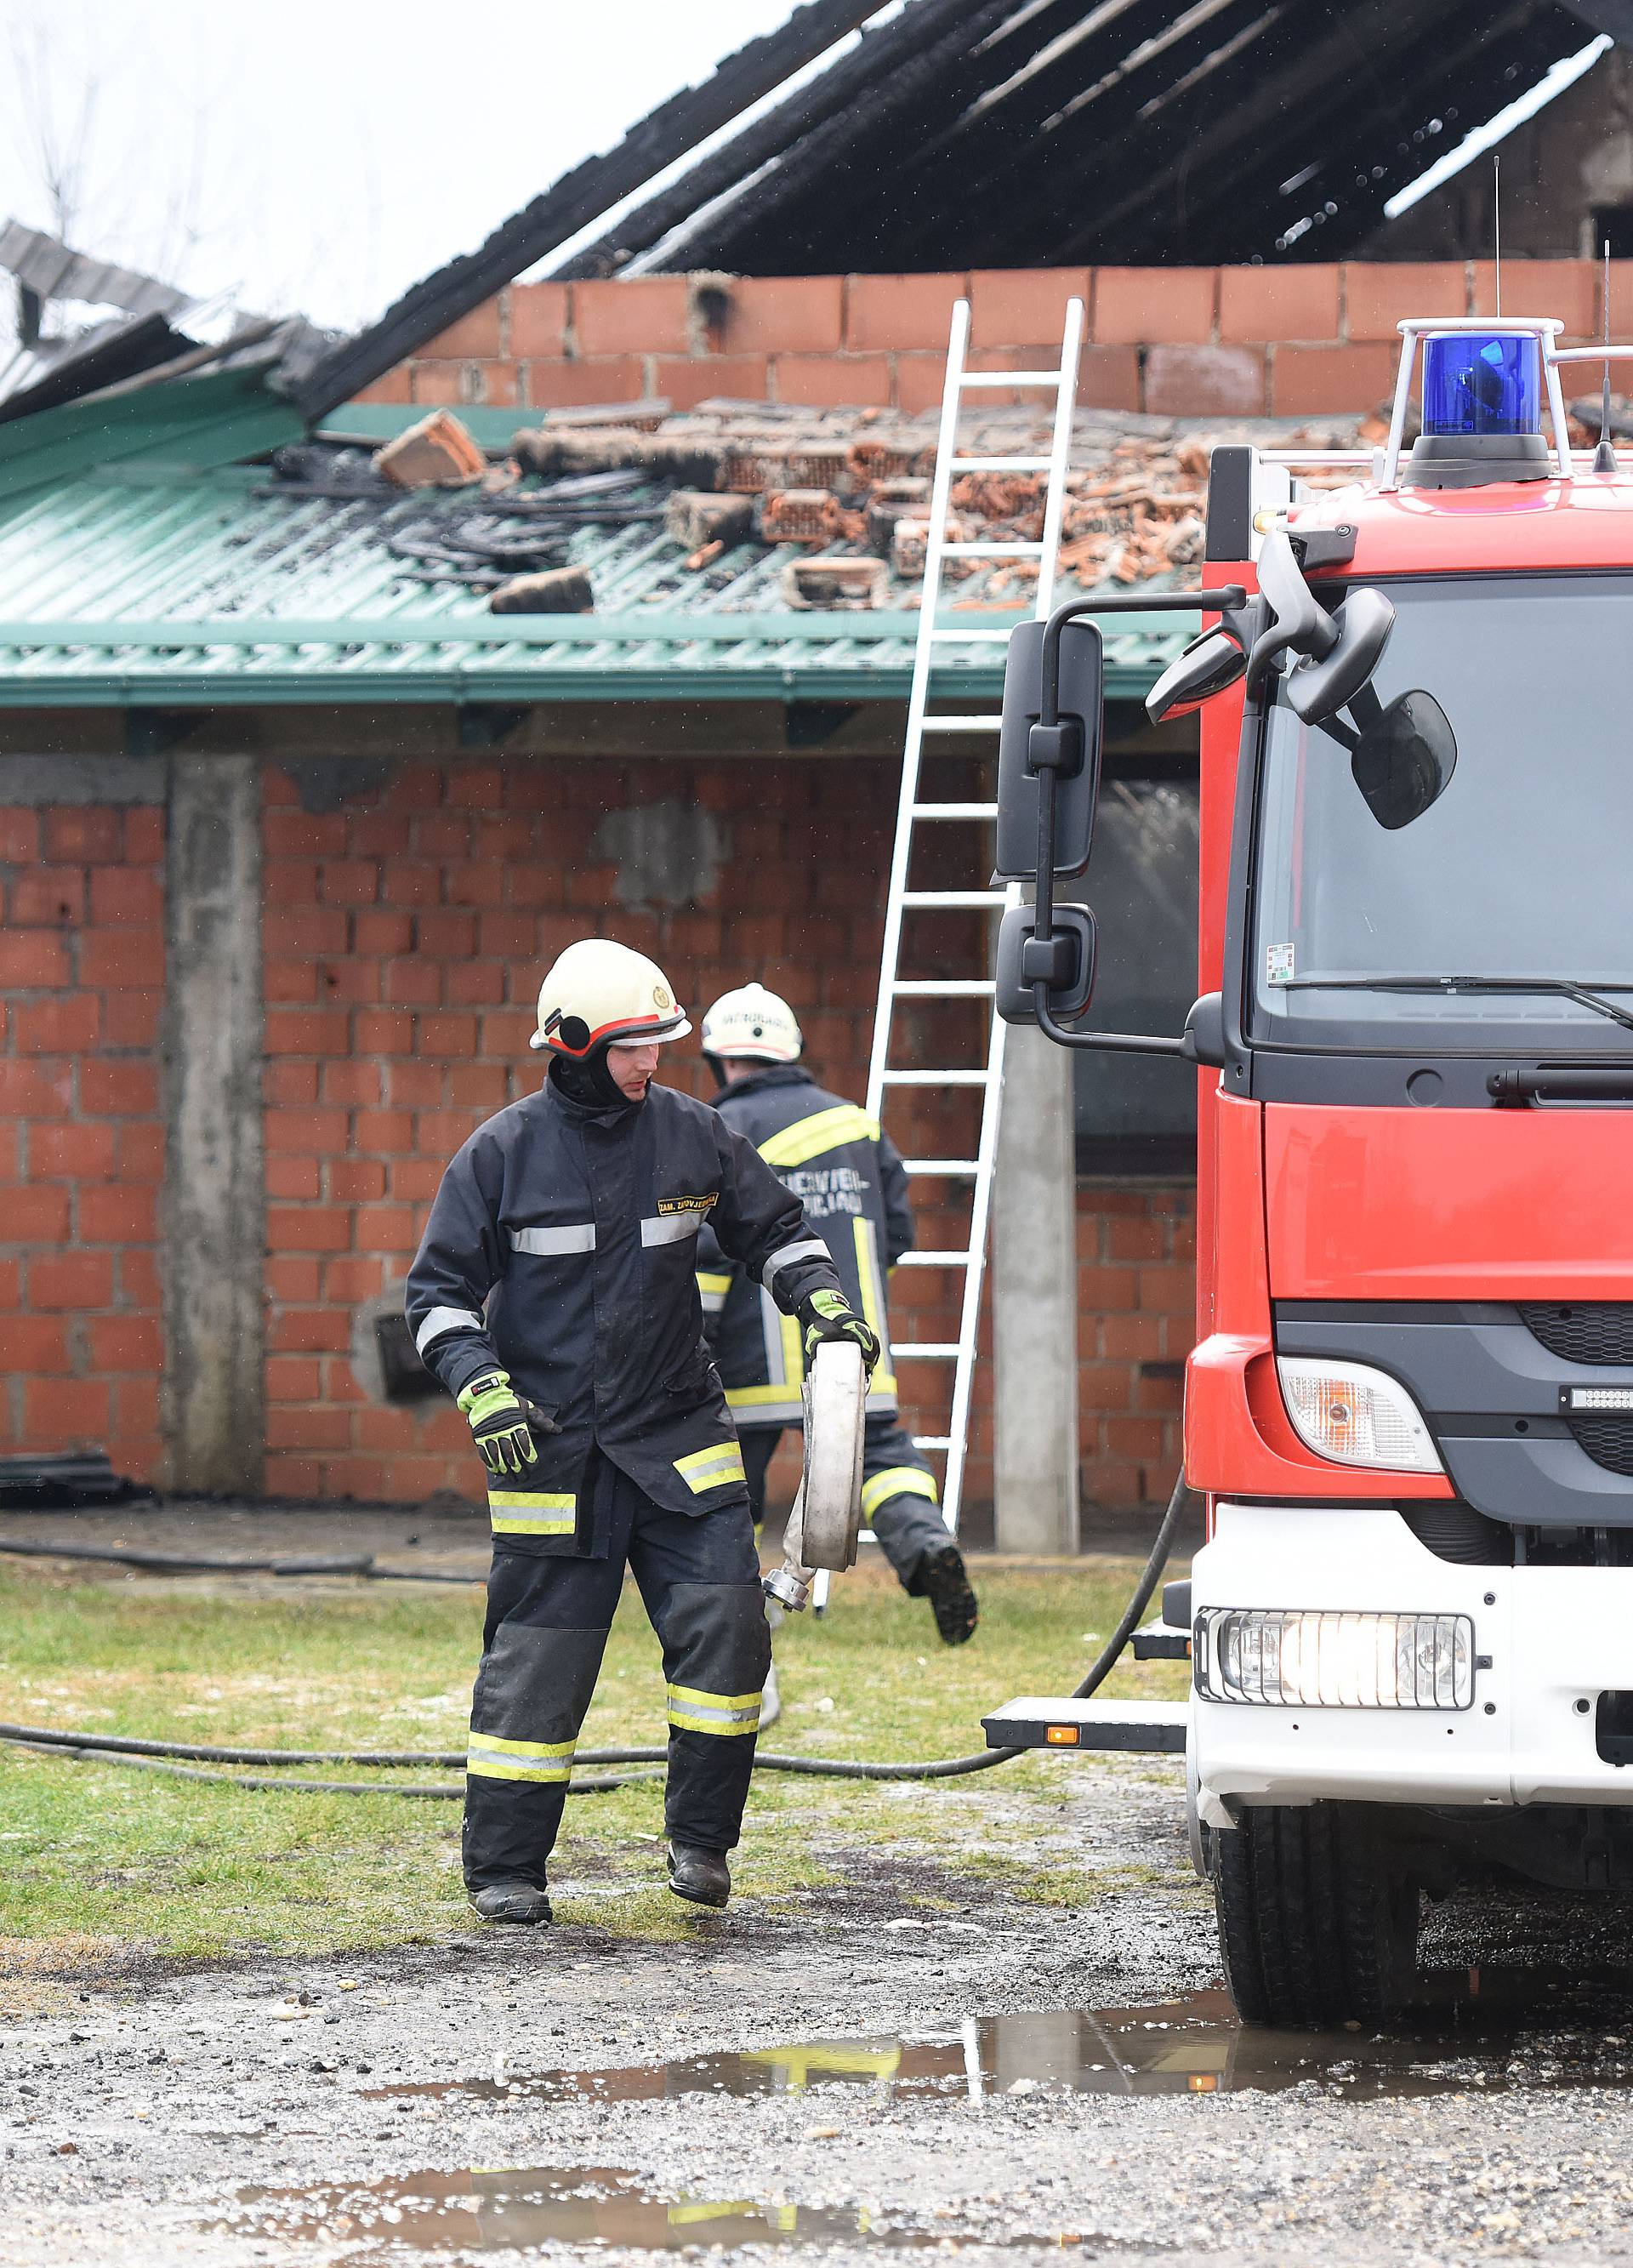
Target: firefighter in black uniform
[
  {"x": 847, "y": 1173},
  {"x": 555, "y": 1297}
]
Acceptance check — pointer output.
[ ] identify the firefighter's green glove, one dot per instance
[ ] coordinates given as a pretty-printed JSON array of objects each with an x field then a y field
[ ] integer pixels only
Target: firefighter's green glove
[
  {"x": 825, "y": 1315},
  {"x": 503, "y": 1422}
]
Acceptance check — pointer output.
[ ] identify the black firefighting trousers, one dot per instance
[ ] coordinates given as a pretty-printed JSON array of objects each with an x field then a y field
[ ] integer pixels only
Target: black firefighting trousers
[
  {"x": 899, "y": 1499},
  {"x": 548, "y": 1620}
]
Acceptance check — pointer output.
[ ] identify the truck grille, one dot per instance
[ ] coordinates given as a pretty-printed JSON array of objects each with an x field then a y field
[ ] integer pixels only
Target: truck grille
[
  {"x": 1607, "y": 1441},
  {"x": 1599, "y": 1331}
]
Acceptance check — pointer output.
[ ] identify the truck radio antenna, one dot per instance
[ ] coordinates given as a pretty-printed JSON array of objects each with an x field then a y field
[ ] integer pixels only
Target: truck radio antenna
[
  {"x": 1497, "y": 224},
  {"x": 1605, "y": 454}
]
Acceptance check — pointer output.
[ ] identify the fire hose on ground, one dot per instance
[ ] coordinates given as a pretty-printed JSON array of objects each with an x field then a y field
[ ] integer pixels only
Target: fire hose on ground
[{"x": 822, "y": 1531}]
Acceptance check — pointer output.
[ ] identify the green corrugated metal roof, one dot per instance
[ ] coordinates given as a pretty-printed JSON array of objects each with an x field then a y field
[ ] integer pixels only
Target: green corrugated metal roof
[
  {"x": 141, "y": 585},
  {"x": 185, "y": 424}
]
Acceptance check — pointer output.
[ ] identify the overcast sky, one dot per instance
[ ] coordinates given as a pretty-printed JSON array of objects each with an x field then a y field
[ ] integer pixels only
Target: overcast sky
[{"x": 323, "y": 154}]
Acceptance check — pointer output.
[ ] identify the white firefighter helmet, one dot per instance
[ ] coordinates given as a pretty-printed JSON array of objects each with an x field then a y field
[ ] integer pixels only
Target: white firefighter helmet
[
  {"x": 753, "y": 1026},
  {"x": 598, "y": 991}
]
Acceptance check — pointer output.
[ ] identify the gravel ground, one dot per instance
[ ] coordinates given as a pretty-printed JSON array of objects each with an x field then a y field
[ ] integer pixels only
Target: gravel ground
[{"x": 157, "y": 2117}]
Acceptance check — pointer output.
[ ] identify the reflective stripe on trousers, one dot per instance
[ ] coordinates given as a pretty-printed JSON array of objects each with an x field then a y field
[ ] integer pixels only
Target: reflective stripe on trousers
[
  {"x": 711, "y": 1469},
  {"x": 531, "y": 1511},
  {"x": 897, "y": 1480},
  {"x": 549, "y": 1761},
  {"x": 693, "y": 1711}
]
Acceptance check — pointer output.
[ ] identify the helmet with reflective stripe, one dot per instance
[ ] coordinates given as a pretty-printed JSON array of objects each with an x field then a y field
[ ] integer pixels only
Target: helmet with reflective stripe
[
  {"x": 753, "y": 1026},
  {"x": 598, "y": 993}
]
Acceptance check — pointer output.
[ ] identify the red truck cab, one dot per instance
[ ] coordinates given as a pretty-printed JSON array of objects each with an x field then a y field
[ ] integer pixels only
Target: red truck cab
[{"x": 1409, "y": 1408}]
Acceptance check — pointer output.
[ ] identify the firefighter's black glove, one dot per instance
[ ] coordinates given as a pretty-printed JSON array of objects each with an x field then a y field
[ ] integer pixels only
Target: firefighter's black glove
[
  {"x": 506, "y": 1426},
  {"x": 824, "y": 1315}
]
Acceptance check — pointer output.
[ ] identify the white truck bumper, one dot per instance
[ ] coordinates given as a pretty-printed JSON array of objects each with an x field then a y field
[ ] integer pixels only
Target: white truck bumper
[{"x": 1557, "y": 1638}]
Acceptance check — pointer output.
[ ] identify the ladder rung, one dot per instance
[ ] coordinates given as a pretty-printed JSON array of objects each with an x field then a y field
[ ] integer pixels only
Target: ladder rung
[
  {"x": 961, "y": 723},
  {"x": 932, "y": 1440},
  {"x": 1000, "y": 464},
  {"x": 993, "y": 377},
  {"x": 935, "y": 1077},
  {"x": 949, "y": 900},
  {"x": 952, "y": 1168},
  {"x": 924, "y": 1349},
  {"x": 945, "y": 988},
  {"x": 934, "y": 1260},
  {"x": 955, "y": 811},
  {"x": 974, "y": 548}
]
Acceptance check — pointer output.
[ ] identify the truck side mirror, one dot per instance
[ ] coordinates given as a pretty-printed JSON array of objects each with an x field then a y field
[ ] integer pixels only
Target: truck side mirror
[
  {"x": 1070, "y": 748},
  {"x": 1065, "y": 964},
  {"x": 1208, "y": 664},
  {"x": 1404, "y": 758}
]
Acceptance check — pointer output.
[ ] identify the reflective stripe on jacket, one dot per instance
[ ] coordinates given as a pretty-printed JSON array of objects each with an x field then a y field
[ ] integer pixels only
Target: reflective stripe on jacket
[
  {"x": 561, "y": 1248},
  {"x": 849, "y": 1176}
]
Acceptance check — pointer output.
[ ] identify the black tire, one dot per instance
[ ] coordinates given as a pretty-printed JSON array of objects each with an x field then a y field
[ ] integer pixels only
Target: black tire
[{"x": 1318, "y": 1921}]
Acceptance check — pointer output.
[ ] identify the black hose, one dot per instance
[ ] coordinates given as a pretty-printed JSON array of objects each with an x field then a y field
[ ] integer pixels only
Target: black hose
[
  {"x": 169, "y": 1563},
  {"x": 450, "y": 1791},
  {"x": 121, "y": 1749}
]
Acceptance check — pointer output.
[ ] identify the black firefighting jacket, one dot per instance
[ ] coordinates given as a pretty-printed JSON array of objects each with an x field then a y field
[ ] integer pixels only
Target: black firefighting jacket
[
  {"x": 561, "y": 1248},
  {"x": 847, "y": 1174}
]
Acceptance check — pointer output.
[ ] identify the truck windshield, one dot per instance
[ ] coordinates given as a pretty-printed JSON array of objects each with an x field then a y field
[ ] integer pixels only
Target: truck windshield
[{"x": 1521, "y": 868}]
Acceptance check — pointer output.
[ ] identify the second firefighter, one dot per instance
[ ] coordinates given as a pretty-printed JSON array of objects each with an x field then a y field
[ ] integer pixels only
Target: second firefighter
[{"x": 847, "y": 1175}]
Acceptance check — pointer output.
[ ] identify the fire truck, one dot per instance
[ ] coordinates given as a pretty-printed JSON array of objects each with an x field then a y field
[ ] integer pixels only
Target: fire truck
[{"x": 1409, "y": 1408}]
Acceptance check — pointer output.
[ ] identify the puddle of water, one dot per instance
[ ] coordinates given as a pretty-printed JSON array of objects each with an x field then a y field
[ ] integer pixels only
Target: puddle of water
[
  {"x": 514, "y": 2208},
  {"x": 1498, "y": 2030}
]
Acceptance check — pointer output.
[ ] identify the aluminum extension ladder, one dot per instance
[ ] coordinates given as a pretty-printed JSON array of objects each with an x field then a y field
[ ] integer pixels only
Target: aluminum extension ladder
[{"x": 967, "y": 1261}]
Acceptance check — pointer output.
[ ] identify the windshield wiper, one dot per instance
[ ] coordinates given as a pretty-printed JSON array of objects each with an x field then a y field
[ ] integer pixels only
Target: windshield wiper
[{"x": 1563, "y": 987}]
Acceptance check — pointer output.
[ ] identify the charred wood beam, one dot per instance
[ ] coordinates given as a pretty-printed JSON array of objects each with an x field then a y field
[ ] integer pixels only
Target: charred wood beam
[
  {"x": 865, "y": 72},
  {"x": 1202, "y": 157},
  {"x": 1224, "y": 174},
  {"x": 1359, "y": 180},
  {"x": 1258, "y": 100},
  {"x": 859, "y": 140},
  {"x": 1111, "y": 82},
  {"x": 1132, "y": 59},
  {"x": 579, "y": 197}
]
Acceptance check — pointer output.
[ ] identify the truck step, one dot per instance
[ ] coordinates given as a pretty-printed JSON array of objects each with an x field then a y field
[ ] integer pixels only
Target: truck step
[
  {"x": 1161, "y": 1641},
  {"x": 1037, "y": 1721}
]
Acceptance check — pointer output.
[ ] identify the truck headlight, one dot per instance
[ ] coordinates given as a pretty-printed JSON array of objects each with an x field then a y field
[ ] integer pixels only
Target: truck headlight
[
  {"x": 1290, "y": 1657},
  {"x": 1356, "y": 1415}
]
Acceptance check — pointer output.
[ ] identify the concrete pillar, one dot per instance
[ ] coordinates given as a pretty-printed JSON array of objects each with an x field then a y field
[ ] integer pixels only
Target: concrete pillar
[
  {"x": 215, "y": 1187},
  {"x": 1034, "y": 1301}
]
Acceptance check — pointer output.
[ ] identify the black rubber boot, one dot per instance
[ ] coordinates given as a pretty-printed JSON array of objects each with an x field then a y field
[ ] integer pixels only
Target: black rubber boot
[
  {"x": 942, "y": 1581},
  {"x": 702, "y": 1877},
  {"x": 517, "y": 1902}
]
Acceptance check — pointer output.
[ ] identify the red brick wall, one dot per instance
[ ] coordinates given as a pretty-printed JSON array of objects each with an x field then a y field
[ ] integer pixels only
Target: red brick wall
[
  {"x": 1181, "y": 341},
  {"x": 81, "y": 969},
  {"x": 1136, "y": 1255},
  {"x": 405, "y": 937}
]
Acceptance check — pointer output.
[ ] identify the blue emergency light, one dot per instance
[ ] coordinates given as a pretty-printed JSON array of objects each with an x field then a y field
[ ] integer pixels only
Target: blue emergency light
[{"x": 1482, "y": 382}]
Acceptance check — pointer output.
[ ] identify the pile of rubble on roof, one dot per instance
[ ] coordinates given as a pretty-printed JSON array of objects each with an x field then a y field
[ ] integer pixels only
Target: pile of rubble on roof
[{"x": 848, "y": 492}]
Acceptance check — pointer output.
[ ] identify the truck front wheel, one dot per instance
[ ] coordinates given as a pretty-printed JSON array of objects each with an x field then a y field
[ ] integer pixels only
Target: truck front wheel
[{"x": 1318, "y": 1918}]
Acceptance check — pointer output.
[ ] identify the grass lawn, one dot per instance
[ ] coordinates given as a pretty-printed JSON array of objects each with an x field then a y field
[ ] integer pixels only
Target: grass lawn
[{"x": 95, "y": 1858}]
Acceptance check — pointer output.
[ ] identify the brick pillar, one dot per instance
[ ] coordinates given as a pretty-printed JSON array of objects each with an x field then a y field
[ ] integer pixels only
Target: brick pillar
[{"x": 1034, "y": 1302}]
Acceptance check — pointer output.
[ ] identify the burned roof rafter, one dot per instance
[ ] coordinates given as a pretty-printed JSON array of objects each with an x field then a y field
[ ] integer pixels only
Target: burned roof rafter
[
  {"x": 1447, "y": 45},
  {"x": 581, "y": 195},
  {"x": 861, "y": 76},
  {"x": 964, "y": 133},
  {"x": 860, "y": 129},
  {"x": 1001, "y": 149}
]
